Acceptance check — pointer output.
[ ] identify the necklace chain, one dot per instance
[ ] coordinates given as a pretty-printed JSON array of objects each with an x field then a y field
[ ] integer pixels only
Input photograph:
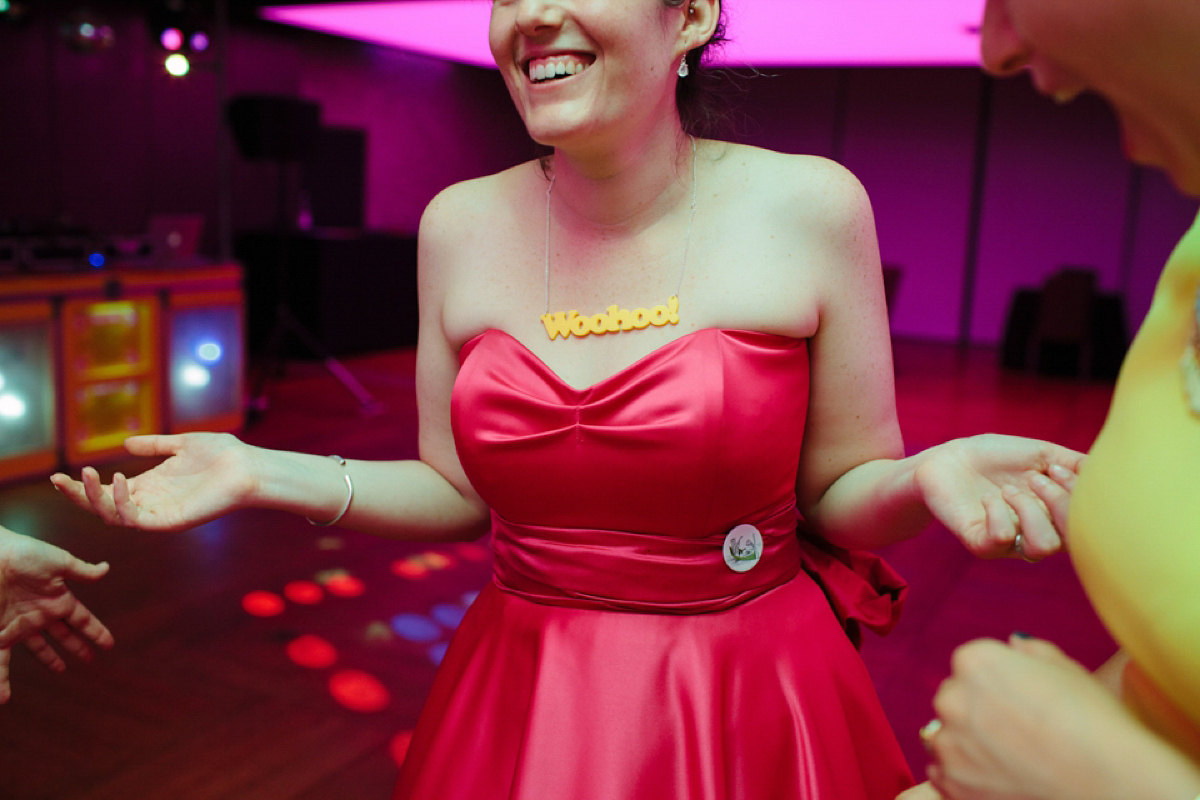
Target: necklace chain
[{"x": 686, "y": 241}]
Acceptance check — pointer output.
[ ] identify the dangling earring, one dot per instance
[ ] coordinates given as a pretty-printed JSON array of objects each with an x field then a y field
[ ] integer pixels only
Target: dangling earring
[{"x": 683, "y": 67}]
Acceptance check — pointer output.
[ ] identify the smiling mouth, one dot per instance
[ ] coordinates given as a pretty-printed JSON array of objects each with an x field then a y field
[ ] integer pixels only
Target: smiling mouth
[{"x": 556, "y": 68}]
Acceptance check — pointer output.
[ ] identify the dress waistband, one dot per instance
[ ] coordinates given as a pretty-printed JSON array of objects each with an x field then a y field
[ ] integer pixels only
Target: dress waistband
[{"x": 624, "y": 571}]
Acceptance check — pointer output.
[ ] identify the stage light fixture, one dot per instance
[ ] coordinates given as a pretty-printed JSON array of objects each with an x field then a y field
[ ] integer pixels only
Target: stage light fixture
[
  {"x": 195, "y": 376},
  {"x": 171, "y": 39},
  {"x": 178, "y": 65},
  {"x": 180, "y": 25},
  {"x": 87, "y": 33},
  {"x": 209, "y": 352},
  {"x": 13, "y": 13},
  {"x": 11, "y": 406}
]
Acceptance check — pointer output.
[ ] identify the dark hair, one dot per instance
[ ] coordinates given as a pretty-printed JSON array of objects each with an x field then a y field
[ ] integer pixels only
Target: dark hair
[{"x": 699, "y": 99}]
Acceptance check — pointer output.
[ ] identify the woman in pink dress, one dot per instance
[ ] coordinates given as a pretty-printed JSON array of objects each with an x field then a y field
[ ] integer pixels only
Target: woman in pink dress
[{"x": 656, "y": 368}]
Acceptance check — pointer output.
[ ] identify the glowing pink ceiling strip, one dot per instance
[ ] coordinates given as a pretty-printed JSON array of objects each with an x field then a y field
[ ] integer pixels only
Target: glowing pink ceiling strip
[{"x": 765, "y": 33}]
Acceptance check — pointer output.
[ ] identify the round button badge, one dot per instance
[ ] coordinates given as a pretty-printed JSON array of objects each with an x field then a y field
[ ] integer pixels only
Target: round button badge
[{"x": 743, "y": 548}]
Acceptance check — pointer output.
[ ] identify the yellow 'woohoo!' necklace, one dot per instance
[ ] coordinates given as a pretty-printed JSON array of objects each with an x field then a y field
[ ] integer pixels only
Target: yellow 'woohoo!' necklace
[{"x": 616, "y": 319}]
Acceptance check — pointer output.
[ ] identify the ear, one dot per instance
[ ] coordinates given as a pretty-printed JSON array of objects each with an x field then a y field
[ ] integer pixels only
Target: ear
[{"x": 700, "y": 18}]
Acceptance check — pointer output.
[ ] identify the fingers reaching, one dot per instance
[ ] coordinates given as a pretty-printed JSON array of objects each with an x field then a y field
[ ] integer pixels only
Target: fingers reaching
[
  {"x": 127, "y": 510},
  {"x": 81, "y": 570},
  {"x": 84, "y": 621},
  {"x": 154, "y": 445},
  {"x": 38, "y": 645},
  {"x": 99, "y": 498},
  {"x": 1037, "y": 535}
]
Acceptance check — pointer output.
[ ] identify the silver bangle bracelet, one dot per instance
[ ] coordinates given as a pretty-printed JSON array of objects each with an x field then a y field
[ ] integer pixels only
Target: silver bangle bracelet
[{"x": 345, "y": 505}]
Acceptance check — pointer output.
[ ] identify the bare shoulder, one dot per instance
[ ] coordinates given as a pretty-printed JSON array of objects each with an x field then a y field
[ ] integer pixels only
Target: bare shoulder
[
  {"x": 804, "y": 188},
  {"x": 469, "y": 221},
  {"x": 460, "y": 212}
]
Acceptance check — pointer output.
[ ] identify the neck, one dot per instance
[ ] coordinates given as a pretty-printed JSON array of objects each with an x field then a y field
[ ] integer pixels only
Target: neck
[{"x": 624, "y": 189}]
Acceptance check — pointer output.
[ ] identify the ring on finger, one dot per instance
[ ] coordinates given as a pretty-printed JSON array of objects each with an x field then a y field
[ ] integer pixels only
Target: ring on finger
[
  {"x": 928, "y": 731},
  {"x": 1019, "y": 546}
]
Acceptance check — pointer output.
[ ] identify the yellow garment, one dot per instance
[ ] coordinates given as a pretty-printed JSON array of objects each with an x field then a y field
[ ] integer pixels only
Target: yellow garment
[{"x": 1134, "y": 530}]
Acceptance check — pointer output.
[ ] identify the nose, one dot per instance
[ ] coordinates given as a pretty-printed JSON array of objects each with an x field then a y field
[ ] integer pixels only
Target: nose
[
  {"x": 535, "y": 17},
  {"x": 1002, "y": 49}
]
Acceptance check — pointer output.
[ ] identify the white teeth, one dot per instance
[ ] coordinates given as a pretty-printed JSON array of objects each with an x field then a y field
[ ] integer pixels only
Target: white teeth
[{"x": 555, "y": 67}]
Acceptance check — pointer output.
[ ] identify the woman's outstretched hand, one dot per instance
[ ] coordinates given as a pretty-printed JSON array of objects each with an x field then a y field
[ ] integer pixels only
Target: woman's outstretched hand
[
  {"x": 990, "y": 489},
  {"x": 204, "y": 476}
]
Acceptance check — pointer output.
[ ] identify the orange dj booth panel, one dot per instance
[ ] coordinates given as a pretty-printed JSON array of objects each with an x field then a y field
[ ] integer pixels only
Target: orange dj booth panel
[
  {"x": 129, "y": 352},
  {"x": 29, "y": 440}
]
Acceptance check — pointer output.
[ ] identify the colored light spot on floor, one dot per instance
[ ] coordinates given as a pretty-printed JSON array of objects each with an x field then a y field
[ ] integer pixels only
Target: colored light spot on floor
[
  {"x": 437, "y": 652},
  {"x": 345, "y": 586},
  {"x": 415, "y": 628},
  {"x": 262, "y": 604},
  {"x": 359, "y": 691},
  {"x": 303, "y": 592},
  {"x": 378, "y": 632},
  {"x": 409, "y": 569},
  {"x": 449, "y": 616},
  {"x": 398, "y": 747},
  {"x": 437, "y": 560},
  {"x": 330, "y": 543},
  {"x": 312, "y": 652},
  {"x": 472, "y": 552}
]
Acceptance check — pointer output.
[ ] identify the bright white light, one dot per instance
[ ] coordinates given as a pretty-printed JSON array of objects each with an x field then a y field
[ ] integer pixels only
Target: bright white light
[
  {"x": 177, "y": 64},
  {"x": 209, "y": 352},
  {"x": 11, "y": 407},
  {"x": 195, "y": 376}
]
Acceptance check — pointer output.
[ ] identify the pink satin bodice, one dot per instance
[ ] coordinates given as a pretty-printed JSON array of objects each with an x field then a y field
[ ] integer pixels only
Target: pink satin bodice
[{"x": 617, "y": 655}]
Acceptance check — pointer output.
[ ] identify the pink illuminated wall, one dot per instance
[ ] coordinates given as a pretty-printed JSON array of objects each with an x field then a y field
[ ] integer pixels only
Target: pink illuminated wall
[{"x": 765, "y": 33}]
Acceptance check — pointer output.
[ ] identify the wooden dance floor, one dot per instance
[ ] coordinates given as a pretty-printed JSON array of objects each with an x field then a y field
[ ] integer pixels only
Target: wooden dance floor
[{"x": 261, "y": 658}]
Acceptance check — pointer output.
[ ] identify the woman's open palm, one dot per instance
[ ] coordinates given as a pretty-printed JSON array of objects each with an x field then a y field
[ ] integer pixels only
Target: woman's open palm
[{"x": 204, "y": 476}]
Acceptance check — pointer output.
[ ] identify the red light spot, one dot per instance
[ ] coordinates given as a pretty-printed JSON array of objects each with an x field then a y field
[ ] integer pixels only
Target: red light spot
[
  {"x": 358, "y": 691},
  {"x": 312, "y": 652},
  {"x": 303, "y": 592},
  {"x": 409, "y": 569},
  {"x": 262, "y": 604},
  {"x": 398, "y": 747},
  {"x": 472, "y": 552},
  {"x": 344, "y": 586}
]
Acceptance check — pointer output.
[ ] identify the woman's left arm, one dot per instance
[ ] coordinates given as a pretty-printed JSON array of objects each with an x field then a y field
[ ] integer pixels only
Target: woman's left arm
[{"x": 854, "y": 483}]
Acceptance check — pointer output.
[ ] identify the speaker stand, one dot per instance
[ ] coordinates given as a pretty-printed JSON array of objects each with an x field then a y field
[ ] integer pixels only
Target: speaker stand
[{"x": 285, "y": 323}]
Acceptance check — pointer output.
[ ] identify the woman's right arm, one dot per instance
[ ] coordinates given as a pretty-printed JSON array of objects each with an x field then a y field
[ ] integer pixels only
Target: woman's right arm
[{"x": 207, "y": 475}]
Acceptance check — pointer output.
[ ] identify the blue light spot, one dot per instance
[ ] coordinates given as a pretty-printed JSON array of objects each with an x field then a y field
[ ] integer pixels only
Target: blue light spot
[
  {"x": 438, "y": 652},
  {"x": 415, "y": 628},
  {"x": 209, "y": 352},
  {"x": 449, "y": 616},
  {"x": 96, "y": 260}
]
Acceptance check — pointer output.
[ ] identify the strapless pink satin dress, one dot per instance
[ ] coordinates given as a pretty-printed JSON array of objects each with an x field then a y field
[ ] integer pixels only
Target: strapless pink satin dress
[{"x": 615, "y": 655}]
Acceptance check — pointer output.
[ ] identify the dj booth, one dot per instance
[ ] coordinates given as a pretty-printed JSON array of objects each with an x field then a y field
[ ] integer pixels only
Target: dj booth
[{"x": 88, "y": 359}]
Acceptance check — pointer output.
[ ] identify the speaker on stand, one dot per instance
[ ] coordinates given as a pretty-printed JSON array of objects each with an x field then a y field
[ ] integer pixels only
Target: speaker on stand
[{"x": 285, "y": 130}]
